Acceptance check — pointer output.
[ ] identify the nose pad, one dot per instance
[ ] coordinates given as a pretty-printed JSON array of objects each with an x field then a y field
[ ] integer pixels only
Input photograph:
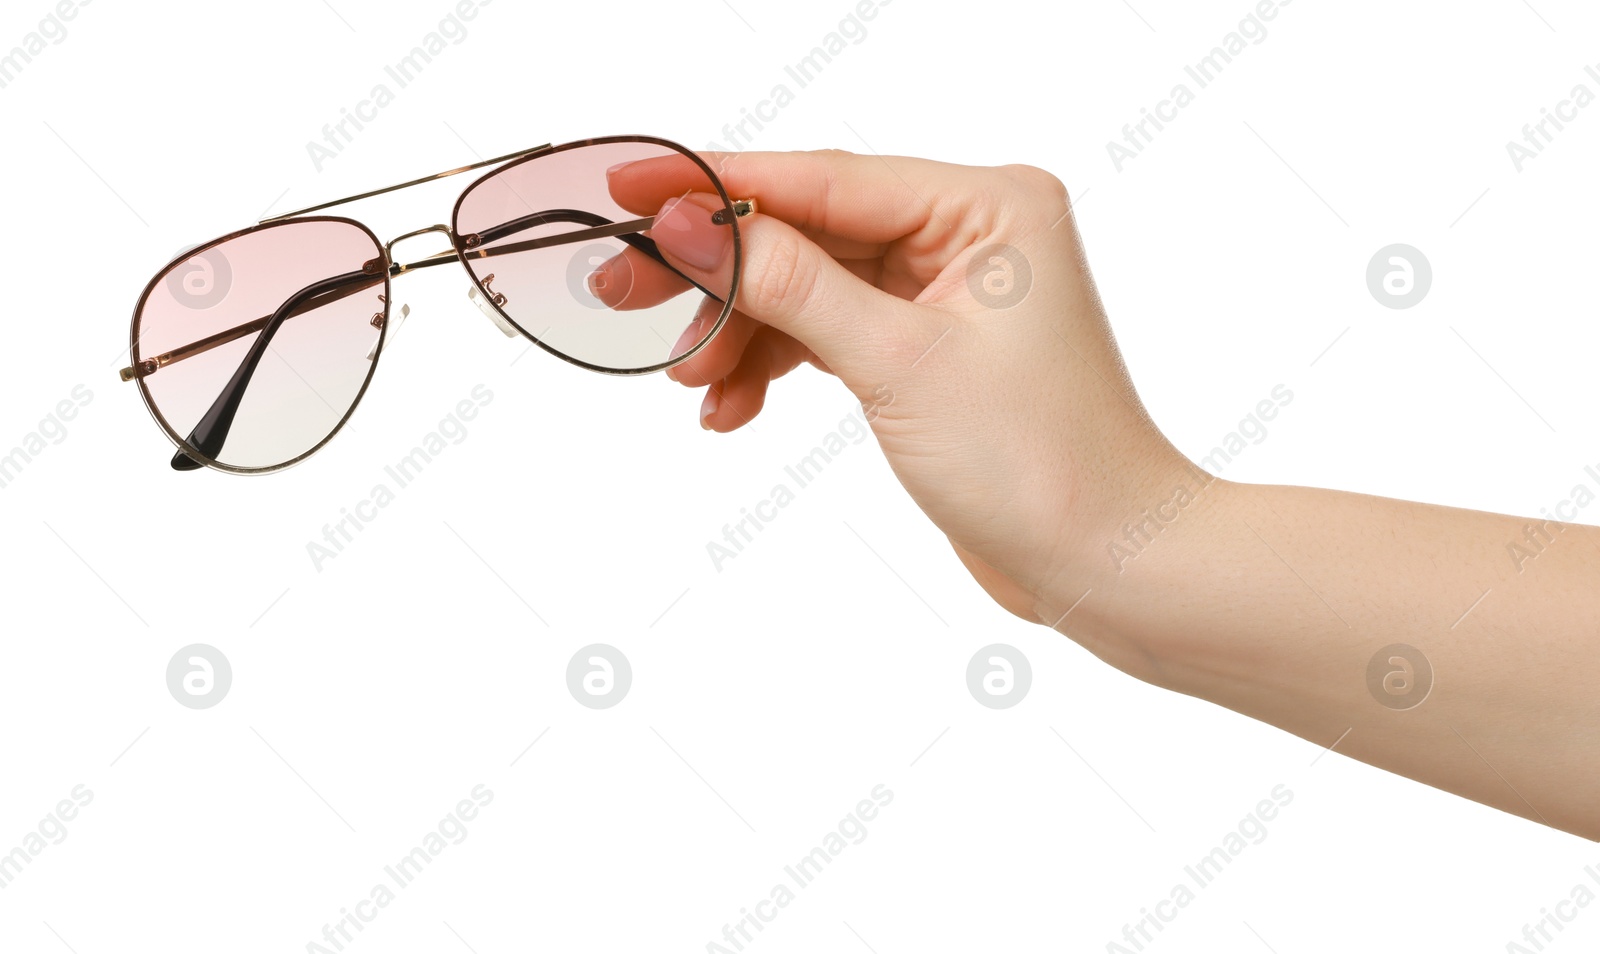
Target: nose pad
[
  {"x": 394, "y": 328},
  {"x": 489, "y": 309}
]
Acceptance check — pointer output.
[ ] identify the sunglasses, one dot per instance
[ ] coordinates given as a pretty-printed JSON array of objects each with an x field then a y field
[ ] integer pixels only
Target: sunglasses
[{"x": 252, "y": 350}]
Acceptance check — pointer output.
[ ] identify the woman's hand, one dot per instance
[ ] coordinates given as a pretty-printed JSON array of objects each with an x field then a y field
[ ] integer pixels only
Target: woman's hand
[{"x": 955, "y": 302}]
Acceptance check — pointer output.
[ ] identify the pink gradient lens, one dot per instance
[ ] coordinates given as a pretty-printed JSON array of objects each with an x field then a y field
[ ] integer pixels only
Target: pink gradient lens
[
  {"x": 584, "y": 250},
  {"x": 253, "y": 350}
]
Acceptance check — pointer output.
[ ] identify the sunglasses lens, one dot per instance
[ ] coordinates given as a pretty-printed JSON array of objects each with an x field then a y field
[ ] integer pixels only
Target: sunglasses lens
[
  {"x": 253, "y": 351},
  {"x": 585, "y": 248}
]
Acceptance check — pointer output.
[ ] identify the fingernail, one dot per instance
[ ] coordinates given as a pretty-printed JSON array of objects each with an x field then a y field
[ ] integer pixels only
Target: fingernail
[
  {"x": 686, "y": 231},
  {"x": 613, "y": 169},
  {"x": 596, "y": 281},
  {"x": 690, "y": 337},
  {"x": 709, "y": 407}
]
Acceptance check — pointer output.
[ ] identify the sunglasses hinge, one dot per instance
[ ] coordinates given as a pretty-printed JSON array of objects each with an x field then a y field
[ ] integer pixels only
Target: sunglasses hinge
[{"x": 741, "y": 208}]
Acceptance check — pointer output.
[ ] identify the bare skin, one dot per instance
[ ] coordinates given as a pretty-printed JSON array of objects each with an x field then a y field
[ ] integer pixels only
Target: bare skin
[{"x": 1020, "y": 435}]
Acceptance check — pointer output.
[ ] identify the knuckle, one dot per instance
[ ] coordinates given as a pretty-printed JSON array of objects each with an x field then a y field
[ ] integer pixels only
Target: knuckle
[
  {"x": 1034, "y": 179},
  {"x": 1047, "y": 195}
]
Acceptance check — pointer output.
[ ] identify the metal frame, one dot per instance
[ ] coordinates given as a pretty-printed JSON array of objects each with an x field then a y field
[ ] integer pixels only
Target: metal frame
[
  {"x": 521, "y": 154},
  {"x": 739, "y": 207},
  {"x": 383, "y": 268},
  {"x": 187, "y": 457}
]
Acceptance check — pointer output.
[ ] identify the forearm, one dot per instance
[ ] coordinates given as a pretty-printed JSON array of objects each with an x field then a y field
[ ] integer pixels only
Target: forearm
[{"x": 1273, "y": 601}]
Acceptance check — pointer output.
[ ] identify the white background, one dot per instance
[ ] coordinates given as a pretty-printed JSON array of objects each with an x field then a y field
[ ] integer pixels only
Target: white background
[{"x": 829, "y": 657}]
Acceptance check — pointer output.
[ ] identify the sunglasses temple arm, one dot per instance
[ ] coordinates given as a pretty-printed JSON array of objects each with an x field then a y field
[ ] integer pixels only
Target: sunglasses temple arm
[
  {"x": 211, "y": 432},
  {"x": 603, "y": 228},
  {"x": 152, "y": 365}
]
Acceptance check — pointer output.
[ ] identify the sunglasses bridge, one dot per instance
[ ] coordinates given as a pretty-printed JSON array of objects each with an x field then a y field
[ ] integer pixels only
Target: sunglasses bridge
[{"x": 488, "y": 301}]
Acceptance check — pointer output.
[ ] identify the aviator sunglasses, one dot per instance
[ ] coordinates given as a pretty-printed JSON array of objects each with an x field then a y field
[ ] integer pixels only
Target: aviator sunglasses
[{"x": 252, "y": 350}]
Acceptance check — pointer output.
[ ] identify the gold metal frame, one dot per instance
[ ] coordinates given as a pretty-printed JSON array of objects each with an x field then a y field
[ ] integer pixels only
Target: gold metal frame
[
  {"x": 149, "y": 366},
  {"x": 383, "y": 269},
  {"x": 523, "y": 154}
]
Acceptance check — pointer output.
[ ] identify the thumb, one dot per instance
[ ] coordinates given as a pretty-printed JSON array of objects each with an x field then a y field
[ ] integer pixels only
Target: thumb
[{"x": 787, "y": 281}]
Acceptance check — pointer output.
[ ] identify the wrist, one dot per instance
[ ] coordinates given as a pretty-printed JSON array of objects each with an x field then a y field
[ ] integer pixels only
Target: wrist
[{"x": 1140, "y": 566}]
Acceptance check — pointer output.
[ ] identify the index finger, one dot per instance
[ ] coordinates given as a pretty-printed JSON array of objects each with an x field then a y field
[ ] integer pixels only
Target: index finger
[
  {"x": 865, "y": 199},
  {"x": 832, "y": 192}
]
